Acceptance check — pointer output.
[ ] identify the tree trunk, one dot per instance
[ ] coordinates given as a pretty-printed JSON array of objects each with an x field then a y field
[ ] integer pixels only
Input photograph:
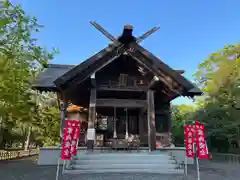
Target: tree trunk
[
  {"x": 2, "y": 143},
  {"x": 26, "y": 147},
  {"x": 1, "y": 139},
  {"x": 1, "y": 134}
]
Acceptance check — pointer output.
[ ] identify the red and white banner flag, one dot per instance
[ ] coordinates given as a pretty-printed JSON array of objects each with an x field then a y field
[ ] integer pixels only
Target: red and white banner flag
[
  {"x": 70, "y": 139},
  {"x": 76, "y": 135},
  {"x": 189, "y": 140},
  {"x": 201, "y": 144},
  {"x": 65, "y": 153}
]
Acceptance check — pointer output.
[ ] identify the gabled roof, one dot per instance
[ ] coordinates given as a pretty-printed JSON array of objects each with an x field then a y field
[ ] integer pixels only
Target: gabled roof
[
  {"x": 61, "y": 76},
  {"x": 94, "y": 63}
]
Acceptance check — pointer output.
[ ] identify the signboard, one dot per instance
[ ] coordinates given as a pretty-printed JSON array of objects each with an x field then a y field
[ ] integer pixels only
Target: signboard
[
  {"x": 91, "y": 134},
  {"x": 70, "y": 139}
]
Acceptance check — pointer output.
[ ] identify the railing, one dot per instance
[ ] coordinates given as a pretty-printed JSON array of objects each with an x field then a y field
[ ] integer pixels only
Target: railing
[
  {"x": 226, "y": 158},
  {"x": 8, "y": 155}
]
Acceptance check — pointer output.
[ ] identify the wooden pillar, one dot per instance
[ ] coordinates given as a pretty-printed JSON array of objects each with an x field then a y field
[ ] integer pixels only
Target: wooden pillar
[
  {"x": 151, "y": 121},
  {"x": 141, "y": 125},
  {"x": 114, "y": 124},
  {"x": 169, "y": 124},
  {"x": 92, "y": 116},
  {"x": 126, "y": 135},
  {"x": 62, "y": 118},
  {"x": 63, "y": 106}
]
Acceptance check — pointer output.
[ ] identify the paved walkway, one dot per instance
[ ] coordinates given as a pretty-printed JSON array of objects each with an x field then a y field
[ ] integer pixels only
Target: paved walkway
[{"x": 27, "y": 169}]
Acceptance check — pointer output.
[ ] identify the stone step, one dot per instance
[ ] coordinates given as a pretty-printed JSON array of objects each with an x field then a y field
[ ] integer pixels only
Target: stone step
[
  {"x": 127, "y": 159},
  {"x": 124, "y": 161},
  {"x": 133, "y": 170},
  {"x": 124, "y": 155},
  {"x": 125, "y": 166},
  {"x": 121, "y": 162}
]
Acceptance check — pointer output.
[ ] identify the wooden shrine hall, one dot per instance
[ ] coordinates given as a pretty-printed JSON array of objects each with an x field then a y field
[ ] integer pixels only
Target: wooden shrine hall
[{"x": 125, "y": 92}]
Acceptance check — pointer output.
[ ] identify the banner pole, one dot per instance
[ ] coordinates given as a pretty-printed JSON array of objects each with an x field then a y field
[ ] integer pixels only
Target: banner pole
[
  {"x": 185, "y": 158},
  {"x": 57, "y": 173},
  {"x": 63, "y": 168},
  {"x": 196, "y": 154},
  {"x": 198, "y": 172}
]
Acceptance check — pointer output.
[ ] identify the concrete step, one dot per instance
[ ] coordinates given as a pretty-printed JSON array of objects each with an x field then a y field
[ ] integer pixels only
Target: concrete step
[
  {"x": 135, "y": 170},
  {"x": 125, "y": 166},
  {"x": 124, "y": 161},
  {"x": 130, "y": 156},
  {"x": 124, "y": 153},
  {"x": 127, "y": 159}
]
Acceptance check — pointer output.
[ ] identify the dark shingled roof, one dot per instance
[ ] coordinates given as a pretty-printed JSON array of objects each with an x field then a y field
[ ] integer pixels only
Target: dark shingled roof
[{"x": 45, "y": 79}]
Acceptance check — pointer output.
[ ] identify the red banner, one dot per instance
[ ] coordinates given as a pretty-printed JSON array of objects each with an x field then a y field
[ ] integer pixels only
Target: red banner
[
  {"x": 70, "y": 139},
  {"x": 201, "y": 144},
  {"x": 76, "y": 135},
  {"x": 189, "y": 140}
]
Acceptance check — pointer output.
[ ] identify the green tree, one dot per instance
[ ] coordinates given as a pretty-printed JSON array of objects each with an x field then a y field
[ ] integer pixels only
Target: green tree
[
  {"x": 180, "y": 114},
  {"x": 20, "y": 60},
  {"x": 218, "y": 76}
]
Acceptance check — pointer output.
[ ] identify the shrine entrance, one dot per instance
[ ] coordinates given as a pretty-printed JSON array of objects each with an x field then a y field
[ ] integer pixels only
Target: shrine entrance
[{"x": 117, "y": 123}]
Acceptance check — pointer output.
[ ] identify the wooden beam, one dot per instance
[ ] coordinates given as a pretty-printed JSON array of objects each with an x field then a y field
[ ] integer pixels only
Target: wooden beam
[
  {"x": 137, "y": 89},
  {"x": 104, "y": 32},
  {"x": 91, "y": 119},
  {"x": 151, "y": 121},
  {"x": 127, "y": 103},
  {"x": 156, "y": 62},
  {"x": 148, "y": 33},
  {"x": 142, "y": 60},
  {"x": 153, "y": 82}
]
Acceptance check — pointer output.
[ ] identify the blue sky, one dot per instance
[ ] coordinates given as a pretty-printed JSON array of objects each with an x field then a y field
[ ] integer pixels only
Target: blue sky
[{"x": 190, "y": 29}]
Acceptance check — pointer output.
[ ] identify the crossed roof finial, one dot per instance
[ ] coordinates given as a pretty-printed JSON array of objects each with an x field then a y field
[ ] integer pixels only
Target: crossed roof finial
[{"x": 126, "y": 27}]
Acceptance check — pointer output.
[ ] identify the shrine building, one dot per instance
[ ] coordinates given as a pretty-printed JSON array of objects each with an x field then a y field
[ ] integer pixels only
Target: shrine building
[{"x": 124, "y": 92}]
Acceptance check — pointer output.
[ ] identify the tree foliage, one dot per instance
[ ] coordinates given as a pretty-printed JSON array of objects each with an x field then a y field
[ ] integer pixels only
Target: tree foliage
[
  {"x": 180, "y": 115},
  {"x": 20, "y": 60},
  {"x": 219, "y": 78}
]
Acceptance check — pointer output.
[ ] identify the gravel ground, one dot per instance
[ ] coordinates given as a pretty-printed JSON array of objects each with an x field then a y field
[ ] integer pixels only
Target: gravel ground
[{"x": 27, "y": 169}]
